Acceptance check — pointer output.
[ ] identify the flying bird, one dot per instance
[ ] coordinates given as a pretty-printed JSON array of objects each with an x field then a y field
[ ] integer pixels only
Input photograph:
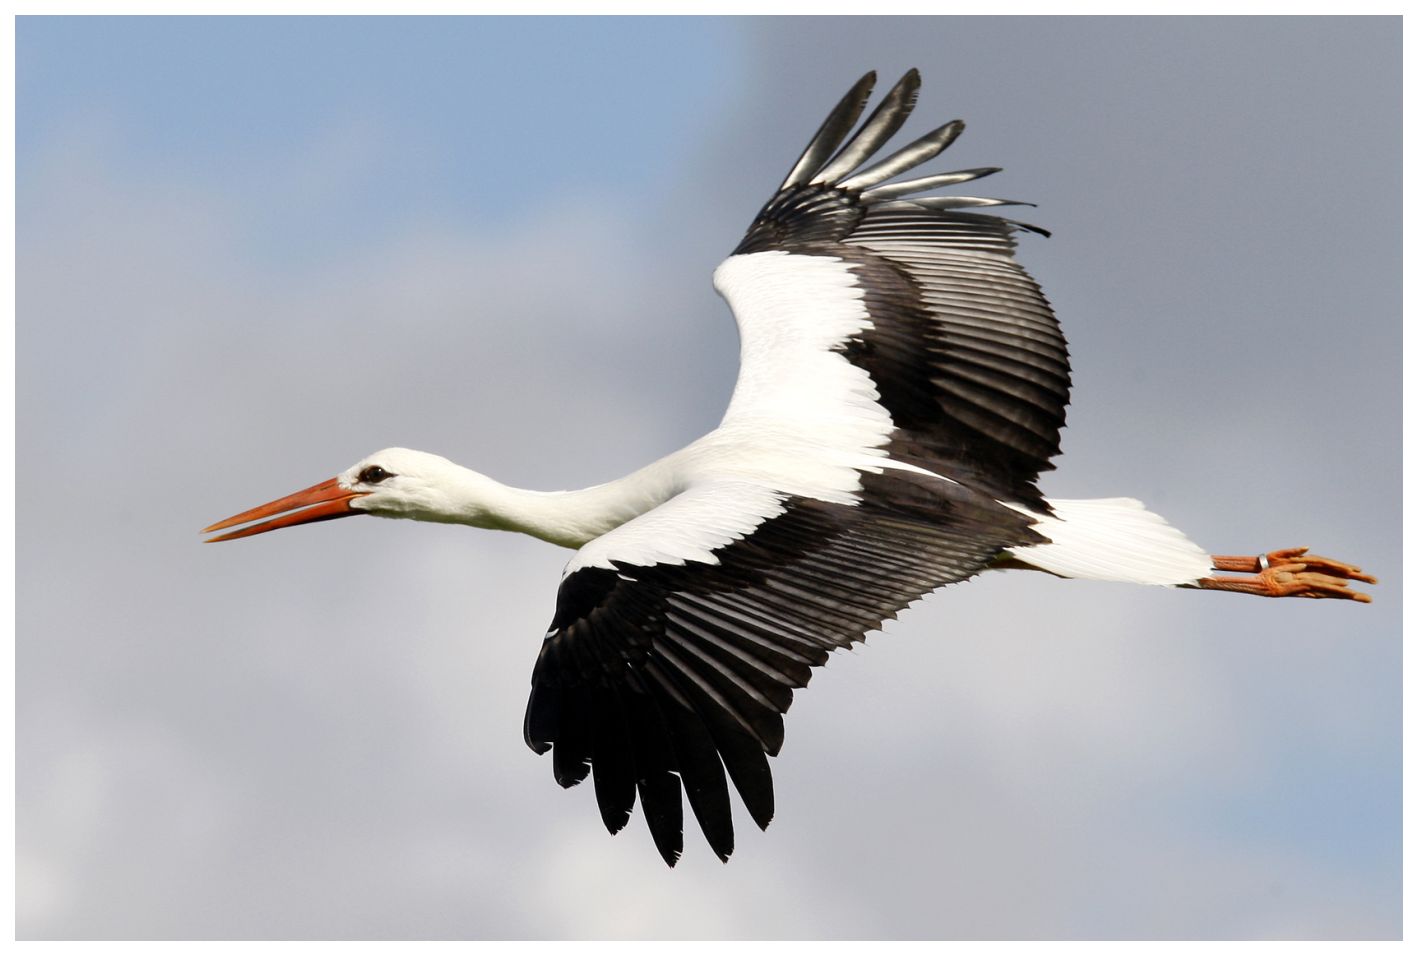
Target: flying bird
[{"x": 902, "y": 385}]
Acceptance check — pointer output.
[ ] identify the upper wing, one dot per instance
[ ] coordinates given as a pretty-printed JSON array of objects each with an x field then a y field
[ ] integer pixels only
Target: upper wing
[
  {"x": 680, "y": 636},
  {"x": 924, "y": 296}
]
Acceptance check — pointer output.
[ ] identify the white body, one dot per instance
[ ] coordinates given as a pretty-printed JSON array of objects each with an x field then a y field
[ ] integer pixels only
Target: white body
[{"x": 803, "y": 421}]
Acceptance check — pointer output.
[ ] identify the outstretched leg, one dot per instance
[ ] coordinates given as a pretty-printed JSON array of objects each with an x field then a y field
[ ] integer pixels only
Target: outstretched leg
[{"x": 1288, "y": 573}]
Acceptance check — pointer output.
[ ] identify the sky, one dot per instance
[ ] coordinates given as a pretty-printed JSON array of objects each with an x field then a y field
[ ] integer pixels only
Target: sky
[{"x": 252, "y": 251}]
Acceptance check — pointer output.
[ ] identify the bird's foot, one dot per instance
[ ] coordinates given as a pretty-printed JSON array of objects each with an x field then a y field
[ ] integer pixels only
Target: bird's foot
[{"x": 1289, "y": 572}]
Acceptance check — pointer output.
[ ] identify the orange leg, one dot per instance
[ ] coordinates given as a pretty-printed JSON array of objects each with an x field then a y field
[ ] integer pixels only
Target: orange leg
[{"x": 1288, "y": 573}]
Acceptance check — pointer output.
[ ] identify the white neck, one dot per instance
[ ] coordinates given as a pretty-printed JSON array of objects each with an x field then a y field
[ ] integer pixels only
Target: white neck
[
  {"x": 568, "y": 518},
  {"x": 435, "y": 489}
]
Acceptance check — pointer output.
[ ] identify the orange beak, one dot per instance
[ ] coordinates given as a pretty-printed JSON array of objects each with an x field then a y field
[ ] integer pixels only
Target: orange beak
[{"x": 320, "y": 502}]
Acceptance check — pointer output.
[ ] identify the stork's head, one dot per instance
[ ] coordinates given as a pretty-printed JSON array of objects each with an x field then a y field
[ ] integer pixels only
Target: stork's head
[{"x": 393, "y": 483}]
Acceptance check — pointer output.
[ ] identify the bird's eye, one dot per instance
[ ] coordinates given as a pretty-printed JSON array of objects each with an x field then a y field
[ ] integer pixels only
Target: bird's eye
[{"x": 373, "y": 475}]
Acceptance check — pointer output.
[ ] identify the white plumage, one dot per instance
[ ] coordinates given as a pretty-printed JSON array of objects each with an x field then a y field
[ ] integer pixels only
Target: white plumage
[
  {"x": 688, "y": 528},
  {"x": 1114, "y": 539},
  {"x": 793, "y": 313}
]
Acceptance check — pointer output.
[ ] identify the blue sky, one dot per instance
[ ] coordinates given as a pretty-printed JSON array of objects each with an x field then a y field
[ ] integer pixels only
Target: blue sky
[
  {"x": 213, "y": 101},
  {"x": 251, "y": 251}
]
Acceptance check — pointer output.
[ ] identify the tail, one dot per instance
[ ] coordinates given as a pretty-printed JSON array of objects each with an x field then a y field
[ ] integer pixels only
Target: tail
[{"x": 1112, "y": 539}]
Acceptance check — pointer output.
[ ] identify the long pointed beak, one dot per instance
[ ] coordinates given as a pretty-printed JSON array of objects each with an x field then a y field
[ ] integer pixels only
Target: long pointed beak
[{"x": 320, "y": 502}]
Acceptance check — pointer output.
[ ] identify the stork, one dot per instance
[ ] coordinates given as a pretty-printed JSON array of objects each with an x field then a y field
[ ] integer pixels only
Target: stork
[{"x": 902, "y": 385}]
